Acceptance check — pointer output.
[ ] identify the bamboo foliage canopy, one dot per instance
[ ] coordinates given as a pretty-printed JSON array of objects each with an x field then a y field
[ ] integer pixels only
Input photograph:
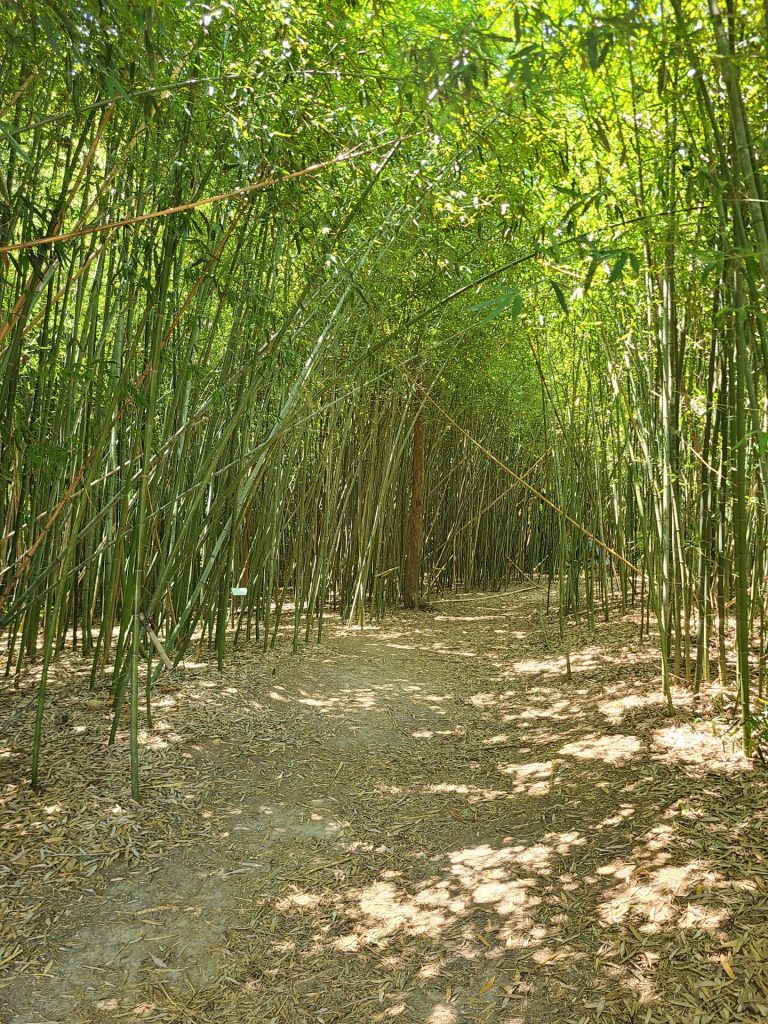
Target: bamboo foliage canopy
[{"x": 245, "y": 248}]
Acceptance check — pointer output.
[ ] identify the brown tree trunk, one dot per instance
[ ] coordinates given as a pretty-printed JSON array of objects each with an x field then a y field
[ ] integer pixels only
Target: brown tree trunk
[{"x": 412, "y": 564}]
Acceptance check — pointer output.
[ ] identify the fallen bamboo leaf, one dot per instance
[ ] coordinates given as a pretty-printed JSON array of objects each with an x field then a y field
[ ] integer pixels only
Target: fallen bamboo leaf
[{"x": 725, "y": 963}]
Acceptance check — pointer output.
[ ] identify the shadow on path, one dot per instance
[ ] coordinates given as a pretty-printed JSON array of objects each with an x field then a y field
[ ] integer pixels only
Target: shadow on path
[{"x": 428, "y": 821}]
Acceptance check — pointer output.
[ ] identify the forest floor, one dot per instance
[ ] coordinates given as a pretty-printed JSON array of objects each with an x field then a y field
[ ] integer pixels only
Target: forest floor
[{"x": 424, "y": 821}]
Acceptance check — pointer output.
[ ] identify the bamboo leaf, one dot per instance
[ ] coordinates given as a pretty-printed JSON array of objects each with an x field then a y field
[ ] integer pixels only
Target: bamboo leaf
[
  {"x": 507, "y": 300},
  {"x": 725, "y": 963},
  {"x": 618, "y": 267},
  {"x": 560, "y": 295}
]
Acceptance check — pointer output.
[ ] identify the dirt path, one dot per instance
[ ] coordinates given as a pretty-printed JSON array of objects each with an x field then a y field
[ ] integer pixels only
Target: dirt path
[{"x": 426, "y": 821}]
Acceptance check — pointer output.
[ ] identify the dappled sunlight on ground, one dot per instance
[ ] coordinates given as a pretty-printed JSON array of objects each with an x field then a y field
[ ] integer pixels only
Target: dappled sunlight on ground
[
  {"x": 608, "y": 749},
  {"x": 616, "y": 709},
  {"x": 425, "y": 820},
  {"x": 651, "y": 895},
  {"x": 681, "y": 744},
  {"x": 533, "y": 779}
]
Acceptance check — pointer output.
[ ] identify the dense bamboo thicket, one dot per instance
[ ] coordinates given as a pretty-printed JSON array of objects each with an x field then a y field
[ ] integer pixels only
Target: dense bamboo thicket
[{"x": 246, "y": 250}]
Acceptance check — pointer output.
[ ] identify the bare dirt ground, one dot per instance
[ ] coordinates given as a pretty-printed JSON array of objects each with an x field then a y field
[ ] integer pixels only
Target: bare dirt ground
[{"x": 423, "y": 821}]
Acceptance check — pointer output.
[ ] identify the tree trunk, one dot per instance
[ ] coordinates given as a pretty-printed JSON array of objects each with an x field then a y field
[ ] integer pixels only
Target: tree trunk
[{"x": 412, "y": 562}]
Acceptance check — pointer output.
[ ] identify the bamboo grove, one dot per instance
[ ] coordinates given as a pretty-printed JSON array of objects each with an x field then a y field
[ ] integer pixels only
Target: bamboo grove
[{"x": 269, "y": 271}]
